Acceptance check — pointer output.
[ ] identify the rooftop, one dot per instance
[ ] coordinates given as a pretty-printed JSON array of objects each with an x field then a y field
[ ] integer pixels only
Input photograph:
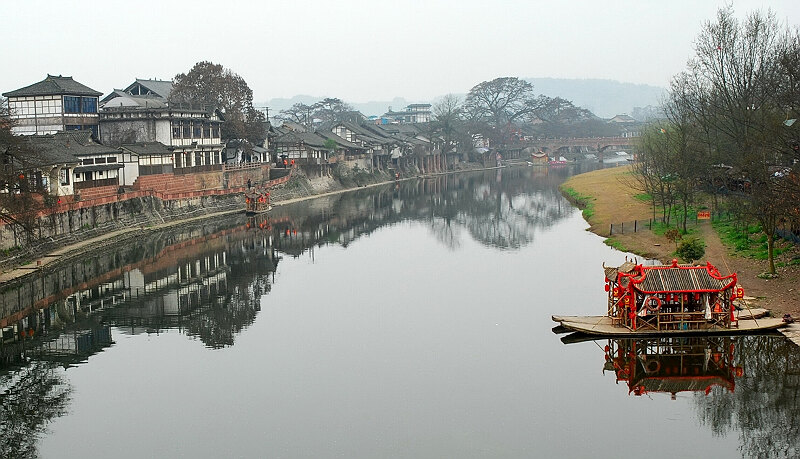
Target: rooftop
[{"x": 54, "y": 85}]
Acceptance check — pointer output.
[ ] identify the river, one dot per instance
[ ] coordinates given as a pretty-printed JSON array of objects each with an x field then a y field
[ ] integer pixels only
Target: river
[{"x": 409, "y": 320}]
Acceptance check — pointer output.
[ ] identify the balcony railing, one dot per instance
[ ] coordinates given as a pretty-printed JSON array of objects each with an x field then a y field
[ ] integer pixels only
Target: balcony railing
[{"x": 95, "y": 183}]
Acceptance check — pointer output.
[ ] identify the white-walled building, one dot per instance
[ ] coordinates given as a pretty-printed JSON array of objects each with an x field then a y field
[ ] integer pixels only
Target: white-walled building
[
  {"x": 142, "y": 113},
  {"x": 54, "y": 104}
]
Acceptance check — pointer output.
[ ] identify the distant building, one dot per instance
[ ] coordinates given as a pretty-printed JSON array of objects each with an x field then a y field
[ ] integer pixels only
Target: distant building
[
  {"x": 54, "y": 104},
  {"x": 414, "y": 113},
  {"x": 142, "y": 113},
  {"x": 622, "y": 119}
]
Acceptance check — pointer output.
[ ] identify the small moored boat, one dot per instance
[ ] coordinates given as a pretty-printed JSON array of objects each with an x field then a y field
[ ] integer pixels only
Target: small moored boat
[{"x": 256, "y": 201}]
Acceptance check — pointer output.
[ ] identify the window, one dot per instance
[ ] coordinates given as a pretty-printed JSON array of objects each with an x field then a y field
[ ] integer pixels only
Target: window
[
  {"x": 198, "y": 158},
  {"x": 100, "y": 161},
  {"x": 187, "y": 130},
  {"x": 72, "y": 104},
  {"x": 197, "y": 131},
  {"x": 206, "y": 131},
  {"x": 87, "y": 161},
  {"x": 215, "y": 131},
  {"x": 89, "y": 104},
  {"x": 176, "y": 130},
  {"x": 73, "y": 127},
  {"x": 111, "y": 159},
  {"x": 178, "y": 160}
]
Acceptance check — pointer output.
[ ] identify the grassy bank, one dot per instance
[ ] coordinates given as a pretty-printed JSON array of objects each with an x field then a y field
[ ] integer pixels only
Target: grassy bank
[{"x": 730, "y": 247}]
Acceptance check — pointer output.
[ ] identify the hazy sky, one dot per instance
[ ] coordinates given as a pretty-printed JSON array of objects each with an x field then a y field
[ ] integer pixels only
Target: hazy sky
[{"x": 357, "y": 50}]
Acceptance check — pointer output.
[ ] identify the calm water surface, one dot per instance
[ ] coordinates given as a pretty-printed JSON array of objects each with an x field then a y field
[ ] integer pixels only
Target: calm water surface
[{"x": 398, "y": 321}]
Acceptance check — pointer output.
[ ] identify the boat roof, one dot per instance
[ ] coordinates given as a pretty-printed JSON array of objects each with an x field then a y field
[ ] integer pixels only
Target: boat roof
[{"x": 671, "y": 278}]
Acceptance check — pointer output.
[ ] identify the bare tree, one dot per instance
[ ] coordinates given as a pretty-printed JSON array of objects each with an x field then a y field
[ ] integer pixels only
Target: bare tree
[
  {"x": 494, "y": 106},
  {"x": 331, "y": 109},
  {"x": 22, "y": 193},
  {"x": 731, "y": 106},
  {"x": 448, "y": 122},
  {"x": 299, "y": 113}
]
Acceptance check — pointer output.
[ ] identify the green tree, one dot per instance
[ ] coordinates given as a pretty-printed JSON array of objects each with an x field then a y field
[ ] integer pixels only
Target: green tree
[{"x": 691, "y": 249}]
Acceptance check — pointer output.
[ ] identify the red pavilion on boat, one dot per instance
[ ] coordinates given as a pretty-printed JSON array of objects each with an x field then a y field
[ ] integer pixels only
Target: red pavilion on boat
[{"x": 671, "y": 297}]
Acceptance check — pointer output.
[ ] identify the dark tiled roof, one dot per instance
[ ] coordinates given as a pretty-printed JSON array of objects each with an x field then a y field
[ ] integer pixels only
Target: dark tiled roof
[
  {"x": 342, "y": 142},
  {"x": 308, "y": 138},
  {"x": 52, "y": 86},
  {"x": 158, "y": 87},
  {"x": 678, "y": 278},
  {"x": 147, "y": 149},
  {"x": 60, "y": 148}
]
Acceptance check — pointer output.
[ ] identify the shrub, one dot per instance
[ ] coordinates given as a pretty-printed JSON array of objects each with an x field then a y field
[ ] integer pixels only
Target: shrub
[{"x": 691, "y": 249}]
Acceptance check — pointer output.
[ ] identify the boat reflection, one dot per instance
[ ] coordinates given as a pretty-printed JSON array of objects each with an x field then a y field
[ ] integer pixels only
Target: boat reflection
[{"x": 673, "y": 364}]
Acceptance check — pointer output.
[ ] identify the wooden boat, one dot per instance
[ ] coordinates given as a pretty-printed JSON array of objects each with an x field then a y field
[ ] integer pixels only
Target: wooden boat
[
  {"x": 257, "y": 201},
  {"x": 603, "y": 326},
  {"x": 671, "y": 300}
]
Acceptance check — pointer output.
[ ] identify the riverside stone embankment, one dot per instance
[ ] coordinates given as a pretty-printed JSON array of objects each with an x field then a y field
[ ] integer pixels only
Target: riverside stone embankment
[{"x": 117, "y": 221}]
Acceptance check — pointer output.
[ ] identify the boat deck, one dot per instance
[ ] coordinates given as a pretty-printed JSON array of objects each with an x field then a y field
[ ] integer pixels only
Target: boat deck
[{"x": 602, "y": 326}]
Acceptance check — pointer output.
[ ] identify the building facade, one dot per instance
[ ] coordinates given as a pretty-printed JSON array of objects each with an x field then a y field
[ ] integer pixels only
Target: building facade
[
  {"x": 54, "y": 104},
  {"x": 142, "y": 113}
]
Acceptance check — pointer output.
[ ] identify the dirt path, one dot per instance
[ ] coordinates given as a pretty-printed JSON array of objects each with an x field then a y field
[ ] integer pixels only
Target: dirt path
[{"x": 614, "y": 202}]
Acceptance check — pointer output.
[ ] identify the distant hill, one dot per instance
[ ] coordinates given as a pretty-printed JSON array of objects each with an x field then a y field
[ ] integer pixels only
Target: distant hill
[{"x": 605, "y": 98}]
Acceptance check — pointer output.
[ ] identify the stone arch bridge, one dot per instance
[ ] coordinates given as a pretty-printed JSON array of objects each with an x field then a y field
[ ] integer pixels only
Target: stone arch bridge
[{"x": 571, "y": 147}]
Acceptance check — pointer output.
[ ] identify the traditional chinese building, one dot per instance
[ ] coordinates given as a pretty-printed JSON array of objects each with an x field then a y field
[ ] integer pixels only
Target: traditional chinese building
[
  {"x": 142, "y": 113},
  {"x": 54, "y": 104}
]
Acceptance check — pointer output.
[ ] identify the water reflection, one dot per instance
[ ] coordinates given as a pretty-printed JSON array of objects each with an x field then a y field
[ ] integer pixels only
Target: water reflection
[
  {"x": 673, "y": 364},
  {"x": 746, "y": 385},
  {"x": 764, "y": 409},
  {"x": 33, "y": 388},
  {"x": 206, "y": 279},
  {"x": 30, "y": 398}
]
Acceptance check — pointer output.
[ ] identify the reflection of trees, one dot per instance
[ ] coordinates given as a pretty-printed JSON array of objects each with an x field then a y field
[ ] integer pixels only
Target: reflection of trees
[
  {"x": 30, "y": 398},
  {"x": 502, "y": 209},
  {"x": 764, "y": 407}
]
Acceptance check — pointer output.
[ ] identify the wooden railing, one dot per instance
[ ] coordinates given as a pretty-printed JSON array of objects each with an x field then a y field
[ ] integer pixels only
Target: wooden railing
[{"x": 96, "y": 183}]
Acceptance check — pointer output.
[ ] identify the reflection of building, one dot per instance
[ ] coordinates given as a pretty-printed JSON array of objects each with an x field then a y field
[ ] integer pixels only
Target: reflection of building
[{"x": 672, "y": 364}]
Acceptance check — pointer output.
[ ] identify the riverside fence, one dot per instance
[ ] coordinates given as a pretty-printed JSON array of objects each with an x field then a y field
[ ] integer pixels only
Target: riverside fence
[{"x": 634, "y": 226}]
